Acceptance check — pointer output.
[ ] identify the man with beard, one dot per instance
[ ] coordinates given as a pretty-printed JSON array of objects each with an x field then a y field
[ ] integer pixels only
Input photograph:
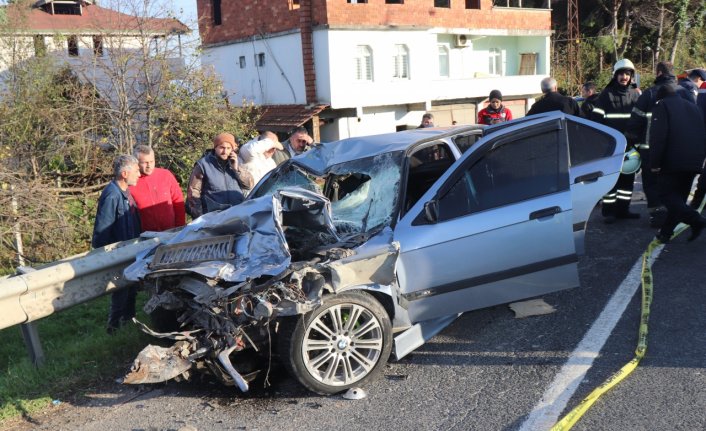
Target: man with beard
[
  {"x": 217, "y": 180},
  {"x": 638, "y": 133},
  {"x": 613, "y": 108}
]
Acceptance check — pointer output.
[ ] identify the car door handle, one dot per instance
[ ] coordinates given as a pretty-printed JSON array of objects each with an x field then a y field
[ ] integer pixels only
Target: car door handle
[
  {"x": 588, "y": 178},
  {"x": 546, "y": 212}
]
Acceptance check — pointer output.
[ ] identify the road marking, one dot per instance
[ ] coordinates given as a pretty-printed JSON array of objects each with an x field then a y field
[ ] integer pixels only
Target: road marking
[{"x": 546, "y": 413}]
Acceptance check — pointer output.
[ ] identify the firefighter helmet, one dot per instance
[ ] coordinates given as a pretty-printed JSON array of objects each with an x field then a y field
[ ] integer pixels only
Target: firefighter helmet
[
  {"x": 631, "y": 162},
  {"x": 624, "y": 64}
]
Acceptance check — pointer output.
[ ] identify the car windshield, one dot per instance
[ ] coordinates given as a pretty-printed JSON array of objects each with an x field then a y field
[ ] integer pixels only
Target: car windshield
[{"x": 363, "y": 192}]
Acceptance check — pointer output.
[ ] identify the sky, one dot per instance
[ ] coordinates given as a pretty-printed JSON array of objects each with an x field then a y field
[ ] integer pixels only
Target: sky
[{"x": 185, "y": 11}]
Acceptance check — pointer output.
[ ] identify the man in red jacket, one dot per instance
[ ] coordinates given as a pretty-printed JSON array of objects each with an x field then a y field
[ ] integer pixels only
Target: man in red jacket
[{"x": 157, "y": 194}]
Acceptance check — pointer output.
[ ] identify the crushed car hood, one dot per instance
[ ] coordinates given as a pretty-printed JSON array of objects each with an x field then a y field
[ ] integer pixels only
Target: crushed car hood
[{"x": 253, "y": 230}]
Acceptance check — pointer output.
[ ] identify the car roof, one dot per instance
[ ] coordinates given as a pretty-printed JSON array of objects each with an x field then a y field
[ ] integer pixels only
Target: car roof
[{"x": 332, "y": 153}]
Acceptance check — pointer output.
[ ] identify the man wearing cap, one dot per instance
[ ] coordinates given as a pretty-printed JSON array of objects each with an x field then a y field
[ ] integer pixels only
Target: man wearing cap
[
  {"x": 613, "y": 108},
  {"x": 553, "y": 101},
  {"x": 638, "y": 133},
  {"x": 217, "y": 180},
  {"x": 299, "y": 141},
  {"x": 495, "y": 112},
  {"x": 257, "y": 155}
]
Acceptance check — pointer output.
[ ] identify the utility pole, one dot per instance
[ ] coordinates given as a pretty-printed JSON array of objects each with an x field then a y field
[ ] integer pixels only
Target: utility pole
[{"x": 573, "y": 70}]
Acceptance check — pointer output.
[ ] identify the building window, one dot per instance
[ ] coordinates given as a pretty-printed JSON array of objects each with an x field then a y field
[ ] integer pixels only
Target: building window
[
  {"x": 357, "y": 1},
  {"x": 495, "y": 62},
  {"x": 241, "y": 61},
  {"x": 217, "y": 20},
  {"x": 527, "y": 4},
  {"x": 401, "y": 62},
  {"x": 293, "y": 4},
  {"x": 98, "y": 46},
  {"x": 472, "y": 4},
  {"x": 394, "y": 1},
  {"x": 66, "y": 9},
  {"x": 442, "y": 3},
  {"x": 364, "y": 63},
  {"x": 528, "y": 63},
  {"x": 40, "y": 45},
  {"x": 259, "y": 59},
  {"x": 443, "y": 61},
  {"x": 73, "y": 46}
]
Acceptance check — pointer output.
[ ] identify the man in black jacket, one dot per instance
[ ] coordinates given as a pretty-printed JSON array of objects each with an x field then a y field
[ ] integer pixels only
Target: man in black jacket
[
  {"x": 677, "y": 152},
  {"x": 553, "y": 101},
  {"x": 638, "y": 132},
  {"x": 588, "y": 92}
]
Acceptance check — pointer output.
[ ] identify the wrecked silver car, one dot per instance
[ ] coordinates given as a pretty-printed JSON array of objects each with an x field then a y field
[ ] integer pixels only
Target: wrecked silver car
[{"x": 370, "y": 246}]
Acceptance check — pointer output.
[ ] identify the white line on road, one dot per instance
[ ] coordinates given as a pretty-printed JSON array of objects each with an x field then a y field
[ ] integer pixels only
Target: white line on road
[{"x": 546, "y": 413}]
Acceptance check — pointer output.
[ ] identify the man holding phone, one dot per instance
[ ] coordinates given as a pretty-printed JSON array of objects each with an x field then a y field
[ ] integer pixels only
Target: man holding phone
[{"x": 217, "y": 181}]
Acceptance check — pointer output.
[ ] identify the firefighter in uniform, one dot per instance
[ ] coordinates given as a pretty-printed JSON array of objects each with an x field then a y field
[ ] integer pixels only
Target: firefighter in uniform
[
  {"x": 638, "y": 132},
  {"x": 613, "y": 108}
]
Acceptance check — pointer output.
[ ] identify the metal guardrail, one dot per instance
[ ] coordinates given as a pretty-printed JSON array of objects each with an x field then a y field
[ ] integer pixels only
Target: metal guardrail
[{"x": 62, "y": 284}]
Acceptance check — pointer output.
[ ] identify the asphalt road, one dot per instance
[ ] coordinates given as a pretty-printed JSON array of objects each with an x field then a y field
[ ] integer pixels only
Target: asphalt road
[{"x": 487, "y": 371}]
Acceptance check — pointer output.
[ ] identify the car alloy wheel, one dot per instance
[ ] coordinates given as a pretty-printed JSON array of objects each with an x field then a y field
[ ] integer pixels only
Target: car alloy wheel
[{"x": 340, "y": 344}]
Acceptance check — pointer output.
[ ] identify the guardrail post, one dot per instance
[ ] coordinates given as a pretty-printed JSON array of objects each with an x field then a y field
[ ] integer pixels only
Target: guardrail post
[
  {"x": 29, "y": 331},
  {"x": 30, "y": 335},
  {"x": 34, "y": 345}
]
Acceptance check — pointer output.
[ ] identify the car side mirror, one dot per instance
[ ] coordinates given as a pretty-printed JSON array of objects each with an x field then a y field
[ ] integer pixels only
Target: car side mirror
[{"x": 431, "y": 211}]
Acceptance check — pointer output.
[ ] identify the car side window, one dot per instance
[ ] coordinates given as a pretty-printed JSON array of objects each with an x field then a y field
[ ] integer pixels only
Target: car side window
[
  {"x": 425, "y": 167},
  {"x": 587, "y": 144},
  {"x": 515, "y": 171},
  {"x": 464, "y": 142}
]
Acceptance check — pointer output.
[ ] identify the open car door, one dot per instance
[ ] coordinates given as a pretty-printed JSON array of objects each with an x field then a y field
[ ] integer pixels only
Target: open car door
[{"x": 499, "y": 225}]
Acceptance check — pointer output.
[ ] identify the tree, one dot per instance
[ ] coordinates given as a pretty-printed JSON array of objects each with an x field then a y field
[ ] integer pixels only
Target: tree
[{"x": 66, "y": 118}]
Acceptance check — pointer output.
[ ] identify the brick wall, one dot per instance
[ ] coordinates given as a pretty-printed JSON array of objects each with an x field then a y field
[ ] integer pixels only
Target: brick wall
[{"x": 243, "y": 18}]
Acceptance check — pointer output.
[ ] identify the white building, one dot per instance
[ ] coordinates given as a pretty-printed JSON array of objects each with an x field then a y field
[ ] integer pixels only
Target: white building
[{"x": 363, "y": 67}]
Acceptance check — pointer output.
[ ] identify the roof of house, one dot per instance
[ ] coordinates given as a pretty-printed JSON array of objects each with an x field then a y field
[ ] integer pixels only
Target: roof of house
[
  {"x": 284, "y": 118},
  {"x": 93, "y": 19}
]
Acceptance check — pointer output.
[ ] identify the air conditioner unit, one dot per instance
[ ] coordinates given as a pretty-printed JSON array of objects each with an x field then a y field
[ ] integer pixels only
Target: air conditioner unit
[{"x": 462, "y": 40}]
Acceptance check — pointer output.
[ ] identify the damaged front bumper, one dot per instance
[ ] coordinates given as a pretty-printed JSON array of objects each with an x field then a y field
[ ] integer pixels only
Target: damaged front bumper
[{"x": 227, "y": 282}]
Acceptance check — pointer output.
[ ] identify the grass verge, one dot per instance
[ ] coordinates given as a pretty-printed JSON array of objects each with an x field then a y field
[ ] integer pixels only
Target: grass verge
[{"x": 77, "y": 351}]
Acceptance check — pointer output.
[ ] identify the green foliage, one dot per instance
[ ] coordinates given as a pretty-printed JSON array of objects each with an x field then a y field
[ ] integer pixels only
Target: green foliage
[
  {"x": 78, "y": 351},
  {"x": 191, "y": 113},
  {"x": 56, "y": 148}
]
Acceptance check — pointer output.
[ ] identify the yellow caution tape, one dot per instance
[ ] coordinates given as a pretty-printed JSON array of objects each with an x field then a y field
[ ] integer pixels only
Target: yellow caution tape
[{"x": 574, "y": 415}]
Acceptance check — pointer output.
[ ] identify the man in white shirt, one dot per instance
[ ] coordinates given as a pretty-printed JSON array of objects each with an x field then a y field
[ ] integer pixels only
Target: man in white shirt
[{"x": 257, "y": 155}]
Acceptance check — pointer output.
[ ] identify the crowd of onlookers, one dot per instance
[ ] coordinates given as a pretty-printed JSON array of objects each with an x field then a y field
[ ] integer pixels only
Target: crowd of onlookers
[
  {"x": 665, "y": 124},
  {"x": 142, "y": 197}
]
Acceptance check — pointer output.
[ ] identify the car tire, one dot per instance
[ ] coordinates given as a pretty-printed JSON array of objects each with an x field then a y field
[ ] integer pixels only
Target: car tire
[{"x": 328, "y": 352}]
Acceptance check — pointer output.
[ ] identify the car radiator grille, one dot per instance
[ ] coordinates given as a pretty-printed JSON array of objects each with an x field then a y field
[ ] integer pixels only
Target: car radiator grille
[{"x": 201, "y": 250}]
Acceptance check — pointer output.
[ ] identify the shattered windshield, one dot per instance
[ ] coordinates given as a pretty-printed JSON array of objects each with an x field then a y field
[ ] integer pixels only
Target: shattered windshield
[
  {"x": 363, "y": 192},
  {"x": 289, "y": 176}
]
